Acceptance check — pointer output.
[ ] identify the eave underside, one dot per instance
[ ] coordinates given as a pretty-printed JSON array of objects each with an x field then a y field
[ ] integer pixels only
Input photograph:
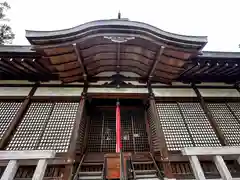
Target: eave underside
[{"x": 119, "y": 47}]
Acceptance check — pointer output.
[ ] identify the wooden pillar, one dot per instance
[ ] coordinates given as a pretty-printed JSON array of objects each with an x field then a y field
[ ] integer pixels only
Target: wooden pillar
[
  {"x": 17, "y": 119},
  {"x": 72, "y": 148},
  {"x": 212, "y": 121},
  {"x": 159, "y": 131}
]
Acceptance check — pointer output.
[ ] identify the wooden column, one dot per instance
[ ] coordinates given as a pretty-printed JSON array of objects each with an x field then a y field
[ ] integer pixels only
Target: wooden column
[
  {"x": 72, "y": 148},
  {"x": 17, "y": 119},
  {"x": 212, "y": 121},
  {"x": 159, "y": 131}
]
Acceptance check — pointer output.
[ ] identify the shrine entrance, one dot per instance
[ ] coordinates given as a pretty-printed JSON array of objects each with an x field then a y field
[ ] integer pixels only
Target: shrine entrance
[{"x": 102, "y": 131}]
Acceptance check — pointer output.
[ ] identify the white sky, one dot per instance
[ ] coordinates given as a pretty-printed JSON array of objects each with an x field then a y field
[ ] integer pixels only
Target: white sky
[{"x": 217, "y": 19}]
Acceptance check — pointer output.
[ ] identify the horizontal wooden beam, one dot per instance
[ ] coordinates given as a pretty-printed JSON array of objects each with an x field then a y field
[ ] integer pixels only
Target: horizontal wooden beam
[
  {"x": 201, "y": 151},
  {"x": 18, "y": 155}
]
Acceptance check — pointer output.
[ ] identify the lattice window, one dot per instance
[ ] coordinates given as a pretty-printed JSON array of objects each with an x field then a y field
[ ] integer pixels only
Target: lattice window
[
  {"x": 126, "y": 131},
  {"x": 30, "y": 130},
  {"x": 226, "y": 121},
  {"x": 95, "y": 132},
  {"x": 175, "y": 131},
  {"x": 139, "y": 132},
  {"x": 152, "y": 130},
  {"x": 8, "y": 111},
  {"x": 198, "y": 125},
  {"x": 59, "y": 128},
  {"x": 109, "y": 136},
  {"x": 45, "y": 126}
]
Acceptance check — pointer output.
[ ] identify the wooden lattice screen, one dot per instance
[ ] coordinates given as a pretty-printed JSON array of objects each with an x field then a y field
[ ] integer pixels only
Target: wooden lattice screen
[
  {"x": 82, "y": 134},
  {"x": 8, "y": 111},
  {"x": 155, "y": 141},
  {"x": 185, "y": 125},
  {"x": 227, "y": 116},
  {"x": 45, "y": 126},
  {"x": 102, "y": 133}
]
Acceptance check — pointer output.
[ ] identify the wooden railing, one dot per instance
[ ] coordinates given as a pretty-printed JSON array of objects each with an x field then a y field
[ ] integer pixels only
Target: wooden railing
[
  {"x": 216, "y": 153},
  {"x": 14, "y": 156}
]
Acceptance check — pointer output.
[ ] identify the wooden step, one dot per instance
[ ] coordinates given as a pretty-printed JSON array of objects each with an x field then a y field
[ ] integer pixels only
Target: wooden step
[
  {"x": 92, "y": 164},
  {"x": 97, "y": 175},
  {"x": 143, "y": 162},
  {"x": 90, "y": 173},
  {"x": 152, "y": 171}
]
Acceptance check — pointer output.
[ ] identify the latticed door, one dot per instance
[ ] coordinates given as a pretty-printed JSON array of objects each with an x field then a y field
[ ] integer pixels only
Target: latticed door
[{"x": 102, "y": 134}]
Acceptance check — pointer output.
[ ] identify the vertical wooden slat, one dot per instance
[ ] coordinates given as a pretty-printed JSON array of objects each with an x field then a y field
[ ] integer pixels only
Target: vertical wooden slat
[
  {"x": 148, "y": 130},
  {"x": 196, "y": 167},
  {"x": 134, "y": 143},
  {"x": 163, "y": 145},
  {"x": 6, "y": 137},
  {"x": 10, "y": 170},
  {"x": 102, "y": 133},
  {"x": 222, "y": 168},
  {"x": 40, "y": 170},
  {"x": 212, "y": 121}
]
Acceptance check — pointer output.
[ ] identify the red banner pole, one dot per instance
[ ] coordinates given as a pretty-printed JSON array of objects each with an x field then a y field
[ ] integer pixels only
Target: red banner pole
[{"x": 118, "y": 128}]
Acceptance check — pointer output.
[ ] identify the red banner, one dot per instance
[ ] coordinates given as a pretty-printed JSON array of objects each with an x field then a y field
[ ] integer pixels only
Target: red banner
[{"x": 118, "y": 129}]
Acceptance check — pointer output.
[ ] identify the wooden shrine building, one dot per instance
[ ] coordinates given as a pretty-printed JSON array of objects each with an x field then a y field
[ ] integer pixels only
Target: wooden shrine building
[{"x": 118, "y": 99}]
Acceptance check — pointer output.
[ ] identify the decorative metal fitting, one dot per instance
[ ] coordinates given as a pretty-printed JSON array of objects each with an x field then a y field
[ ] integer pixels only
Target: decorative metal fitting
[{"x": 119, "y": 39}]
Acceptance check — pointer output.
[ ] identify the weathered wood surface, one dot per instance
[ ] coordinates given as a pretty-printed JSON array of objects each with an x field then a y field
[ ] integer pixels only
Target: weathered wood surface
[
  {"x": 199, "y": 151},
  {"x": 196, "y": 167},
  {"x": 18, "y": 155},
  {"x": 222, "y": 168},
  {"x": 10, "y": 170},
  {"x": 40, "y": 170}
]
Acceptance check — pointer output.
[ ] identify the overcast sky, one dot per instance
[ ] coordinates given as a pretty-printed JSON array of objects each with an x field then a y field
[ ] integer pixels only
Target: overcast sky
[{"x": 217, "y": 19}]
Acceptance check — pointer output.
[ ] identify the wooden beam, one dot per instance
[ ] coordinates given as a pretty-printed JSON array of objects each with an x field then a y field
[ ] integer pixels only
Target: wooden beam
[
  {"x": 212, "y": 121},
  {"x": 7, "y": 135},
  {"x": 40, "y": 170},
  {"x": 80, "y": 60},
  {"x": 208, "y": 151},
  {"x": 157, "y": 59},
  {"x": 196, "y": 167},
  {"x": 28, "y": 154},
  {"x": 10, "y": 170},
  {"x": 222, "y": 168}
]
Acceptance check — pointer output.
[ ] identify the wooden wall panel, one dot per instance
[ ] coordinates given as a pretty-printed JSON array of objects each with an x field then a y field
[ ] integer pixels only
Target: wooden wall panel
[
  {"x": 118, "y": 90},
  {"x": 58, "y": 91},
  {"x": 174, "y": 92},
  {"x": 15, "y": 91},
  {"x": 219, "y": 93}
]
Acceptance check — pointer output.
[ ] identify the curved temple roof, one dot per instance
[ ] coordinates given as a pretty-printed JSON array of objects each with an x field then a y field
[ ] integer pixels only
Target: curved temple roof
[{"x": 117, "y": 46}]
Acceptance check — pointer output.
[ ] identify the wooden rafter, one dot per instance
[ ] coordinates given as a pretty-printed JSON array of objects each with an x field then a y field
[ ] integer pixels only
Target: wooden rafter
[
  {"x": 80, "y": 60},
  {"x": 157, "y": 58}
]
